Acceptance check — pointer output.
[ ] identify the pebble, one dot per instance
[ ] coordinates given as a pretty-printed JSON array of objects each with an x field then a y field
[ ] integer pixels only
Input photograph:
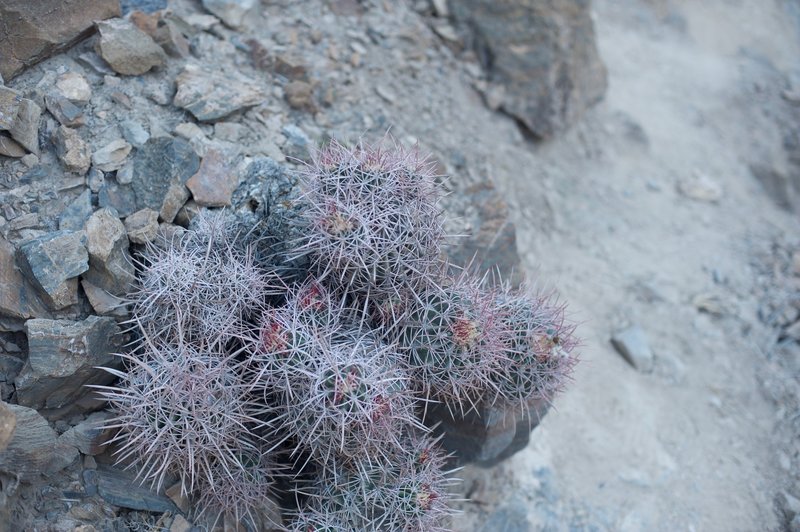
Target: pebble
[
  {"x": 231, "y": 12},
  {"x": 25, "y": 129},
  {"x": 701, "y": 187},
  {"x": 74, "y": 87},
  {"x": 299, "y": 95},
  {"x": 110, "y": 265},
  {"x": 30, "y": 160},
  {"x": 10, "y": 148},
  {"x": 10, "y": 102},
  {"x": 75, "y": 215},
  {"x": 180, "y": 524},
  {"x": 66, "y": 112},
  {"x": 134, "y": 133},
  {"x": 72, "y": 150},
  {"x": 160, "y": 163},
  {"x": 127, "y": 49},
  {"x": 632, "y": 344},
  {"x": 180, "y": 499},
  {"x": 142, "y": 226},
  {"x": 214, "y": 182},
  {"x": 121, "y": 198},
  {"x": 89, "y": 436},
  {"x": 291, "y": 66},
  {"x": 124, "y": 175},
  {"x": 52, "y": 262},
  {"x": 95, "y": 179},
  {"x": 385, "y": 93},
  {"x": 102, "y": 302},
  {"x": 175, "y": 197},
  {"x": 213, "y": 95},
  {"x": 111, "y": 156},
  {"x": 8, "y": 422}
]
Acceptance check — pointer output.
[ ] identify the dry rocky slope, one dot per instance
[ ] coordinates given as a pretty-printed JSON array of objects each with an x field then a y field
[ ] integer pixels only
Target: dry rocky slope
[{"x": 662, "y": 214}]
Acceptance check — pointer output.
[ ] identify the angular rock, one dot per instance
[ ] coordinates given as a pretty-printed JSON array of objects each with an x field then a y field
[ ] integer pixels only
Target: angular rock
[
  {"x": 142, "y": 226},
  {"x": 127, "y": 49},
  {"x": 25, "y": 128},
  {"x": 10, "y": 101},
  {"x": 176, "y": 196},
  {"x": 134, "y": 133},
  {"x": 90, "y": 436},
  {"x": 214, "y": 182},
  {"x": 8, "y": 422},
  {"x": 121, "y": 488},
  {"x": 159, "y": 164},
  {"x": 111, "y": 156},
  {"x": 231, "y": 12},
  {"x": 74, "y": 87},
  {"x": 542, "y": 52},
  {"x": 119, "y": 197},
  {"x": 72, "y": 150},
  {"x": 300, "y": 95},
  {"x": 124, "y": 175},
  {"x": 632, "y": 344},
  {"x": 62, "y": 360},
  {"x": 32, "y": 31},
  {"x": 18, "y": 298},
  {"x": 187, "y": 213},
  {"x": 102, "y": 302},
  {"x": 291, "y": 66},
  {"x": 213, "y": 95},
  {"x": 66, "y": 112},
  {"x": 110, "y": 265},
  {"x": 75, "y": 215},
  {"x": 34, "y": 448},
  {"x": 10, "y": 147},
  {"x": 52, "y": 262}
]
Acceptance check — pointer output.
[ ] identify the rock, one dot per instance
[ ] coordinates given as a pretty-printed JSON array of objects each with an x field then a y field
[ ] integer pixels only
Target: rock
[
  {"x": 11, "y": 148},
  {"x": 180, "y": 524},
  {"x": 297, "y": 142},
  {"x": 632, "y": 344},
  {"x": 18, "y": 298},
  {"x": 187, "y": 213},
  {"x": 110, "y": 265},
  {"x": 10, "y": 102},
  {"x": 74, "y": 87},
  {"x": 72, "y": 150},
  {"x": 121, "y": 488},
  {"x": 543, "y": 52},
  {"x": 76, "y": 213},
  {"x": 168, "y": 234},
  {"x": 164, "y": 31},
  {"x": 148, "y": 6},
  {"x": 8, "y": 422},
  {"x": 213, "y": 95},
  {"x": 35, "y": 448},
  {"x": 32, "y": 31},
  {"x": 175, "y": 492},
  {"x": 66, "y": 112},
  {"x": 700, "y": 187},
  {"x": 121, "y": 198},
  {"x": 300, "y": 95},
  {"x": 214, "y": 182},
  {"x": 111, "y": 156},
  {"x": 127, "y": 49},
  {"x": 511, "y": 517},
  {"x": 90, "y": 436},
  {"x": 95, "y": 179},
  {"x": 142, "y": 226},
  {"x": 488, "y": 435},
  {"x": 134, "y": 133},
  {"x": 189, "y": 131},
  {"x": 159, "y": 164},
  {"x": 291, "y": 66},
  {"x": 177, "y": 194},
  {"x": 52, "y": 262},
  {"x": 25, "y": 129},
  {"x": 63, "y": 359},
  {"x": 102, "y": 302},
  {"x": 124, "y": 175},
  {"x": 231, "y": 12}
]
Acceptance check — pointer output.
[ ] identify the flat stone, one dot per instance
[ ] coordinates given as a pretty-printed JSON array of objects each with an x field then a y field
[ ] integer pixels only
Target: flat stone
[
  {"x": 159, "y": 164},
  {"x": 33, "y": 31},
  {"x": 72, "y": 150},
  {"x": 121, "y": 198},
  {"x": 75, "y": 215},
  {"x": 176, "y": 196},
  {"x": 544, "y": 54},
  {"x": 10, "y": 147},
  {"x": 8, "y": 422},
  {"x": 10, "y": 101},
  {"x": 180, "y": 524},
  {"x": 124, "y": 175},
  {"x": 121, "y": 488},
  {"x": 66, "y": 112},
  {"x": 25, "y": 129},
  {"x": 52, "y": 262},
  {"x": 63, "y": 359},
  {"x": 142, "y": 226},
  {"x": 74, "y": 87},
  {"x": 291, "y": 66},
  {"x": 110, "y": 265},
  {"x": 90, "y": 436},
  {"x": 127, "y": 49},
  {"x": 214, "y": 182},
  {"x": 18, "y": 297},
  {"x": 102, "y": 302},
  {"x": 231, "y": 12},
  {"x": 34, "y": 449},
  {"x": 300, "y": 95},
  {"x": 213, "y": 95},
  {"x": 111, "y": 156},
  {"x": 134, "y": 133},
  {"x": 632, "y": 344}
]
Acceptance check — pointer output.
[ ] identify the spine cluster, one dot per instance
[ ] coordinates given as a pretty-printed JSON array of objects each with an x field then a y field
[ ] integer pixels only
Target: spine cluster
[{"x": 239, "y": 383}]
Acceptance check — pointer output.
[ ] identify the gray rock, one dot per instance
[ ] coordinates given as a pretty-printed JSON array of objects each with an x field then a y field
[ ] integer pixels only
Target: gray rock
[
  {"x": 213, "y": 95},
  {"x": 34, "y": 449},
  {"x": 300, "y": 95},
  {"x": 53, "y": 262},
  {"x": 146, "y": 6},
  {"x": 176, "y": 196},
  {"x": 794, "y": 524},
  {"x": 8, "y": 423},
  {"x": 159, "y": 164},
  {"x": 10, "y": 102},
  {"x": 121, "y": 198},
  {"x": 297, "y": 142},
  {"x": 127, "y": 49},
  {"x": 72, "y": 150},
  {"x": 632, "y": 344},
  {"x": 95, "y": 179},
  {"x": 789, "y": 504},
  {"x": 66, "y": 112},
  {"x": 231, "y": 12},
  {"x": 187, "y": 213},
  {"x": 214, "y": 182},
  {"x": 76, "y": 213},
  {"x": 511, "y": 517},
  {"x": 25, "y": 128},
  {"x": 111, "y": 156},
  {"x": 121, "y": 488},
  {"x": 18, "y": 297},
  {"x": 10, "y": 147},
  {"x": 74, "y": 87},
  {"x": 110, "y": 265},
  {"x": 63, "y": 359},
  {"x": 542, "y": 53},
  {"x": 134, "y": 133},
  {"x": 142, "y": 226},
  {"x": 291, "y": 66},
  {"x": 102, "y": 302},
  {"x": 124, "y": 175},
  {"x": 90, "y": 436}
]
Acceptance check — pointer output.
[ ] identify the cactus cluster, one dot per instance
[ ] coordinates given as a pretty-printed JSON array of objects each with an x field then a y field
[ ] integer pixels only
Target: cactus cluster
[{"x": 239, "y": 382}]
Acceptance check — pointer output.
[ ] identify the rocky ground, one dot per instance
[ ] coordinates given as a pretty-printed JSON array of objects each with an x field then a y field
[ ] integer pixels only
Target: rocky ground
[{"x": 662, "y": 214}]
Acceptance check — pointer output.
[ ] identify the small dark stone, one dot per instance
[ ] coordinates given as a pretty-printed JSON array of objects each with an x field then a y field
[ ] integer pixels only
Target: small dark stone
[
  {"x": 160, "y": 162},
  {"x": 53, "y": 262},
  {"x": 121, "y": 488},
  {"x": 76, "y": 213},
  {"x": 66, "y": 112},
  {"x": 122, "y": 198}
]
